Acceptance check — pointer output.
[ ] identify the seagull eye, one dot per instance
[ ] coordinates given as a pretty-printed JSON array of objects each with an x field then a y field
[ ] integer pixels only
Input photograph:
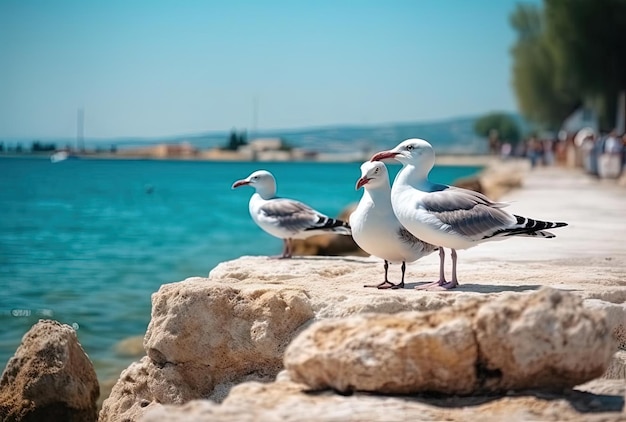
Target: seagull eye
[
  {"x": 376, "y": 171},
  {"x": 409, "y": 147}
]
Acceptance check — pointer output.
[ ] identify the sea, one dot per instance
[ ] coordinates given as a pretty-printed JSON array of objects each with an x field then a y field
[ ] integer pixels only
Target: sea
[{"x": 87, "y": 241}]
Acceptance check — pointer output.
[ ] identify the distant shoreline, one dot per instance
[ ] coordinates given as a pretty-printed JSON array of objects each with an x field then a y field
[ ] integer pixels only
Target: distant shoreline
[{"x": 443, "y": 159}]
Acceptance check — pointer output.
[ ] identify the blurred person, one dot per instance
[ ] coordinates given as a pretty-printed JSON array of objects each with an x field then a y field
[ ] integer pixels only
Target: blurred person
[
  {"x": 610, "y": 156},
  {"x": 534, "y": 151},
  {"x": 586, "y": 149},
  {"x": 548, "y": 152},
  {"x": 505, "y": 151},
  {"x": 623, "y": 151}
]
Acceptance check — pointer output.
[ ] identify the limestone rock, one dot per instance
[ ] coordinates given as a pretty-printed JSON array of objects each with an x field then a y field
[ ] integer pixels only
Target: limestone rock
[
  {"x": 135, "y": 390},
  {"x": 203, "y": 335},
  {"x": 287, "y": 401},
  {"x": 49, "y": 378},
  {"x": 390, "y": 354},
  {"x": 210, "y": 334},
  {"x": 617, "y": 367},
  {"x": 544, "y": 340},
  {"x": 616, "y": 315}
]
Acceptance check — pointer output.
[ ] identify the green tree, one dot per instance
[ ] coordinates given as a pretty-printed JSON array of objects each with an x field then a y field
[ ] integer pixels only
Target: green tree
[
  {"x": 588, "y": 41},
  {"x": 235, "y": 140},
  {"x": 543, "y": 94},
  {"x": 568, "y": 53},
  {"x": 497, "y": 127}
]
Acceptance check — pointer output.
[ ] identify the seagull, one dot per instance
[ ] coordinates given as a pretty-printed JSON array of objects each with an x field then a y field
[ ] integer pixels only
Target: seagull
[
  {"x": 376, "y": 229},
  {"x": 285, "y": 218},
  {"x": 448, "y": 216}
]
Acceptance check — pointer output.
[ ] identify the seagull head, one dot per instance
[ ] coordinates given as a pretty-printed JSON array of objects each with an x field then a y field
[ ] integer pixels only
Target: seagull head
[
  {"x": 261, "y": 180},
  {"x": 416, "y": 152},
  {"x": 373, "y": 174}
]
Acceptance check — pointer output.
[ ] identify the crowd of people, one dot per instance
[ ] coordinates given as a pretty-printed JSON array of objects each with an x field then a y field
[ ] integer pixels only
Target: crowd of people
[{"x": 602, "y": 155}]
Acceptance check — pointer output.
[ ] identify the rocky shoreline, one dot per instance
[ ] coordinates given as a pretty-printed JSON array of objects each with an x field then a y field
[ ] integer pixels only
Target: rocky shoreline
[{"x": 301, "y": 339}]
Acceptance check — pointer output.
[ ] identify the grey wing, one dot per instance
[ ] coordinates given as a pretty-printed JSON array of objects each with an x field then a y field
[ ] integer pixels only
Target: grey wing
[
  {"x": 289, "y": 214},
  {"x": 467, "y": 212},
  {"x": 417, "y": 244}
]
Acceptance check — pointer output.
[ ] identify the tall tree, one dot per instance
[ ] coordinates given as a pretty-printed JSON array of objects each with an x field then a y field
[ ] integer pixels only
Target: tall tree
[
  {"x": 568, "y": 53},
  {"x": 588, "y": 41},
  {"x": 543, "y": 95}
]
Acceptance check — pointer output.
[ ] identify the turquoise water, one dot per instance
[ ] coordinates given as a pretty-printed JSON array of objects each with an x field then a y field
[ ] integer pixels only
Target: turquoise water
[{"x": 86, "y": 242}]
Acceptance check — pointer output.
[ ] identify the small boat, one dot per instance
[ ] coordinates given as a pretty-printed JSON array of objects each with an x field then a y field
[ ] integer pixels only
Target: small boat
[{"x": 59, "y": 156}]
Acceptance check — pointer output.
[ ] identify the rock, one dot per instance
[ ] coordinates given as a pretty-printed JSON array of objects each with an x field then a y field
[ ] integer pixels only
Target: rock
[
  {"x": 202, "y": 337},
  {"x": 204, "y": 334},
  {"x": 545, "y": 340},
  {"x": 616, "y": 315},
  {"x": 287, "y": 401},
  {"x": 617, "y": 367},
  {"x": 49, "y": 378},
  {"x": 471, "y": 183},
  {"x": 390, "y": 354},
  {"x": 131, "y": 346},
  {"x": 136, "y": 389}
]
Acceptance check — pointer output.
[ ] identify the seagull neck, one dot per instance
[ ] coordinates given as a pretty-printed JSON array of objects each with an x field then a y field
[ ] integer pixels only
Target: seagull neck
[
  {"x": 380, "y": 194},
  {"x": 266, "y": 192},
  {"x": 413, "y": 176}
]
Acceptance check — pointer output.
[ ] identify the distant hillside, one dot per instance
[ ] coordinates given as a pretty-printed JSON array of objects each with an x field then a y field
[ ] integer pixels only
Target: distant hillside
[
  {"x": 448, "y": 136},
  {"x": 455, "y": 135}
]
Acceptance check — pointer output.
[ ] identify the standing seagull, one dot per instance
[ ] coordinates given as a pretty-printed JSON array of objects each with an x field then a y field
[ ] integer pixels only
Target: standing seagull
[
  {"x": 285, "y": 218},
  {"x": 447, "y": 216},
  {"x": 376, "y": 229}
]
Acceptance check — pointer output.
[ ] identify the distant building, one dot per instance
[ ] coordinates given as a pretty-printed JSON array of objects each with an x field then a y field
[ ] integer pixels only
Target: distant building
[
  {"x": 266, "y": 149},
  {"x": 265, "y": 144},
  {"x": 182, "y": 150}
]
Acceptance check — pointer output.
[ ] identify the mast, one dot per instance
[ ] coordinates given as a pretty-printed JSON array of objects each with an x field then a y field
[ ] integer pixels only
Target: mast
[{"x": 80, "y": 129}]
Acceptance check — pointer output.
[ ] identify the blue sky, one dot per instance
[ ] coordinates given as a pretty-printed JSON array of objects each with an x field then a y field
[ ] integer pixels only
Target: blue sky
[{"x": 159, "y": 68}]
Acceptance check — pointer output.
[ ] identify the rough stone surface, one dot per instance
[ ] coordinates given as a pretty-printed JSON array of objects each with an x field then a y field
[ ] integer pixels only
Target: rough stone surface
[
  {"x": 544, "y": 340},
  {"x": 287, "y": 401},
  {"x": 617, "y": 367},
  {"x": 49, "y": 378},
  {"x": 390, "y": 354},
  {"x": 203, "y": 335}
]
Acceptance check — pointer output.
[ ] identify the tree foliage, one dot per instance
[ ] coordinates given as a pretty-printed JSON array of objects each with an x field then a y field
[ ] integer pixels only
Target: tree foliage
[
  {"x": 568, "y": 53},
  {"x": 541, "y": 98},
  {"x": 235, "y": 140},
  {"x": 501, "y": 125}
]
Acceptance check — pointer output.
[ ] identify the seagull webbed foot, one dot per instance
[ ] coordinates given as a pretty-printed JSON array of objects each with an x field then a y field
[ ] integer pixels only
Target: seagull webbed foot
[
  {"x": 446, "y": 286},
  {"x": 386, "y": 285},
  {"x": 428, "y": 286}
]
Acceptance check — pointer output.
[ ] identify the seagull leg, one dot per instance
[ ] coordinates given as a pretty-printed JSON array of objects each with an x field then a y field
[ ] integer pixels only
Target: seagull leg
[
  {"x": 286, "y": 253},
  {"x": 400, "y": 285},
  {"x": 442, "y": 275},
  {"x": 385, "y": 284},
  {"x": 288, "y": 248},
  {"x": 454, "y": 283}
]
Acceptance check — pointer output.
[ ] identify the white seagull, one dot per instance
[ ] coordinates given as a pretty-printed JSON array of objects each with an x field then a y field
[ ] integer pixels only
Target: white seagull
[
  {"x": 285, "y": 218},
  {"x": 376, "y": 229},
  {"x": 448, "y": 216}
]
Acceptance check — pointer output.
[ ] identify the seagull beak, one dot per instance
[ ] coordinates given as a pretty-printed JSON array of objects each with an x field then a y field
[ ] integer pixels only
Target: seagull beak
[
  {"x": 240, "y": 183},
  {"x": 361, "y": 182},
  {"x": 383, "y": 155}
]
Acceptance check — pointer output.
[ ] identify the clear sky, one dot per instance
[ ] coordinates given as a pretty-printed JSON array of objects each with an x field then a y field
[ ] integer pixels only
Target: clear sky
[{"x": 154, "y": 68}]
